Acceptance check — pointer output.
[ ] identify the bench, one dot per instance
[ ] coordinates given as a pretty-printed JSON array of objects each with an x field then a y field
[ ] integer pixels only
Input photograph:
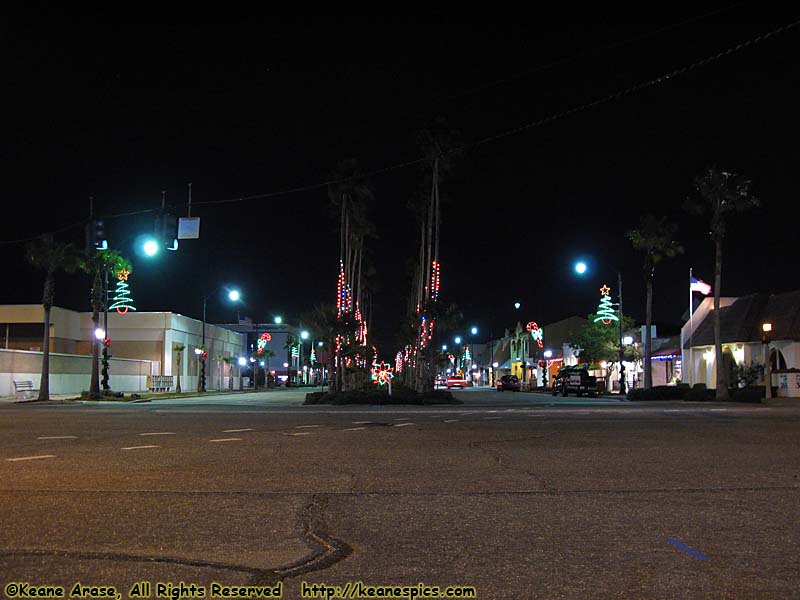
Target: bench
[{"x": 25, "y": 387}]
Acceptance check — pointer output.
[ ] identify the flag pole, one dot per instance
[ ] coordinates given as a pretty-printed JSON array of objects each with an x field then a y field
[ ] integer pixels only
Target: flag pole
[{"x": 691, "y": 330}]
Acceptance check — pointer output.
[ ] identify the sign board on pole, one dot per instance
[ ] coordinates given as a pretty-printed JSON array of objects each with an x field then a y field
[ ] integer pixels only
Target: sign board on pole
[{"x": 189, "y": 228}]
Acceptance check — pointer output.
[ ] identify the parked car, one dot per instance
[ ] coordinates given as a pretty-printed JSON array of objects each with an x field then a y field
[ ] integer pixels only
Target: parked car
[
  {"x": 508, "y": 382},
  {"x": 460, "y": 382}
]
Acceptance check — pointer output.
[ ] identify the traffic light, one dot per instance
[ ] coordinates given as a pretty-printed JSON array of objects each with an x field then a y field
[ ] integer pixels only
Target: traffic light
[
  {"x": 96, "y": 236},
  {"x": 166, "y": 230}
]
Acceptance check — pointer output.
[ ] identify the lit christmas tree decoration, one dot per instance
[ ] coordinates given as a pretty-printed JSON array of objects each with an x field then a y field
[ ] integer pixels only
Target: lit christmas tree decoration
[
  {"x": 122, "y": 294},
  {"x": 605, "y": 310}
]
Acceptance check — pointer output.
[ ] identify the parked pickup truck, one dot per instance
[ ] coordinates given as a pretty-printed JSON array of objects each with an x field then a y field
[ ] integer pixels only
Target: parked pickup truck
[{"x": 575, "y": 379}]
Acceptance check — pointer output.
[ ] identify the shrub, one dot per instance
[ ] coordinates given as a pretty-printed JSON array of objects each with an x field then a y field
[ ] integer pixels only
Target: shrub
[
  {"x": 659, "y": 392},
  {"x": 700, "y": 393}
]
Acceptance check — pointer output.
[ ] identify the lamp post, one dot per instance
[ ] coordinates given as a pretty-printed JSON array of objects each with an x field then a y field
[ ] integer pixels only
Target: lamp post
[
  {"x": 580, "y": 269},
  {"x": 233, "y": 296},
  {"x": 473, "y": 331},
  {"x": 766, "y": 330}
]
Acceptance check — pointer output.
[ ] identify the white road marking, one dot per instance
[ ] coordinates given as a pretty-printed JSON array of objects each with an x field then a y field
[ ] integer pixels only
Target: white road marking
[
  {"x": 719, "y": 410},
  {"x": 58, "y": 437},
  {"x": 403, "y": 419},
  {"x": 491, "y": 418},
  {"x": 361, "y": 422},
  {"x": 451, "y": 421},
  {"x": 159, "y": 433},
  {"x": 138, "y": 447},
  {"x": 306, "y": 426},
  {"x": 235, "y": 430},
  {"x": 300, "y": 433},
  {"x": 227, "y": 440},
  {"x": 31, "y": 457},
  {"x": 403, "y": 424},
  {"x": 356, "y": 428}
]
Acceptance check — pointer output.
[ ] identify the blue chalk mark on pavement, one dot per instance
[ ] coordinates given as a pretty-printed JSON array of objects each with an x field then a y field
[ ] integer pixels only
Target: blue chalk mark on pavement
[{"x": 686, "y": 549}]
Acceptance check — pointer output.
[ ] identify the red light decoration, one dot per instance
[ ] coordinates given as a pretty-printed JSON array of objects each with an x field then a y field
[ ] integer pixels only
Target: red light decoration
[
  {"x": 536, "y": 332},
  {"x": 262, "y": 341},
  {"x": 381, "y": 374}
]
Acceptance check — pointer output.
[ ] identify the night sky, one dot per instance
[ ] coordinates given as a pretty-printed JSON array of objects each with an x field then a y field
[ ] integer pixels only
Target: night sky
[{"x": 122, "y": 112}]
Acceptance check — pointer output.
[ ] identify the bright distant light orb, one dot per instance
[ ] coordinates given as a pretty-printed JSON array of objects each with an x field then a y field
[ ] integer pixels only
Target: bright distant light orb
[
  {"x": 234, "y": 295},
  {"x": 457, "y": 340},
  {"x": 548, "y": 353},
  {"x": 278, "y": 320},
  {"x": 580, "y": 268},
  {"x": 304, "y": 335},
  {"x": 242, "y": 361},
  {"x": 150, "y": 248},
  {"x": 474, "y": 331},
  {"x": 99, "y": 334},
  {"x": 517, "y": 305},
  {"x": 627, "y": 340}
]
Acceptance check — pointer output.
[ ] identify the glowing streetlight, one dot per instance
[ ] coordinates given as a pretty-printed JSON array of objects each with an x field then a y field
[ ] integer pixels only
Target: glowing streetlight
[
  {"x": 150, "y": 248},
  {"x": 278, "y": 320},
  {"x": 234, "y": 295},
  {"x": 242, "y": 361},
  {"x": 444, "y": 347},
  {"x": 517, "y": 305},
  {"x": 304, "y": 335},
  {"x": 457, "y": 340},
  {"x": 580, "y": 268},
  {"x": 100, "y": 333},
  {"x": 474, "y": 331}
]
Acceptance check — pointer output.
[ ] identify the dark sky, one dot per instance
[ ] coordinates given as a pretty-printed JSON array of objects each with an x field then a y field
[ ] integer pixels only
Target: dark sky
[{"x": 123, "y": 111}]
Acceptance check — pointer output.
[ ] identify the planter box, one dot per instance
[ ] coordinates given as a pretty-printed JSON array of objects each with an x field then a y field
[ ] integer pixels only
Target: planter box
[{"x": 788, "y": 385}]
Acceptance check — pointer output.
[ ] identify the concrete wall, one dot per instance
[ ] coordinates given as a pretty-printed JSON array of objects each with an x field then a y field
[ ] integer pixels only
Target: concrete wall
[{"x": 69, "y": 373}]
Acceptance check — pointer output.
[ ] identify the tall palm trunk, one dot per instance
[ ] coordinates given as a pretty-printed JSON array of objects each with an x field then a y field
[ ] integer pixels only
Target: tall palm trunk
[
  {"x": 47, "y": 302},
  {"x": 648, "y": 342},
  {"x": 722, "y": 376}
]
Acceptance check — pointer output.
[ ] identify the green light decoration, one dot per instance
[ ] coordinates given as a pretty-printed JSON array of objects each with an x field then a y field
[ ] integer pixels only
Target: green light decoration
[
  {"x": 295, "y": 351},
  {"x": 313, "y": 357},
  {"x": 605, "y": 310},
  {"x": 122, "y": 294}
]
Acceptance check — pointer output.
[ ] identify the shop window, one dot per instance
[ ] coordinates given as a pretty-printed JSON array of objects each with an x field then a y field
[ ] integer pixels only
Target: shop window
[{"x": 776, "y": 360}]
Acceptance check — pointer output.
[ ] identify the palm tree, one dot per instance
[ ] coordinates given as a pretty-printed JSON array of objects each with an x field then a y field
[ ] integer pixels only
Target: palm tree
[
  {"x": 52, "y": 257},
  {"x": 441, "y": 148},
  {"x": 179, "y": 348},
  {"x": 98, "y": 265},
  {"x": 324, "y": 324},
  {"x": 350, "y": 193},
  {"x": 654, "y": 239},
  {"x": 266, "y": 354},
  {"x": 291, "y": 342},
  {"x": 720, "y": 193},
  {"x": 230, "y": 361}
]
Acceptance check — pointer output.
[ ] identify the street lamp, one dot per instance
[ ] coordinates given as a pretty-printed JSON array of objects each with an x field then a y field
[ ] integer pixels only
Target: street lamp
[
  {"x": 580, "y": 269},
  {"x": 278, "y": 320},
  {"x": 233, "y": 296},
  {"x": 473, "y": 331},
  {"x": 766, "y": 330}
]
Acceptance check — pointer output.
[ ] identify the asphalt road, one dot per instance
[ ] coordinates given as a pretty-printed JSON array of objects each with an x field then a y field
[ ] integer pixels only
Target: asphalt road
[{"x": 519, "y": 495}]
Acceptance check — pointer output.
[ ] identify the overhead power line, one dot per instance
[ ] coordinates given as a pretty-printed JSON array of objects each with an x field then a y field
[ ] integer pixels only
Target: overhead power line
[{"x": 504, "y": 134}]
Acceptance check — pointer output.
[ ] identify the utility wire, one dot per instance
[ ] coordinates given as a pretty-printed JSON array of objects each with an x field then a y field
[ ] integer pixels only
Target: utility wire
[
  {"x": 397, "y": 166},
  {"x": 589, "y": 52}
]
